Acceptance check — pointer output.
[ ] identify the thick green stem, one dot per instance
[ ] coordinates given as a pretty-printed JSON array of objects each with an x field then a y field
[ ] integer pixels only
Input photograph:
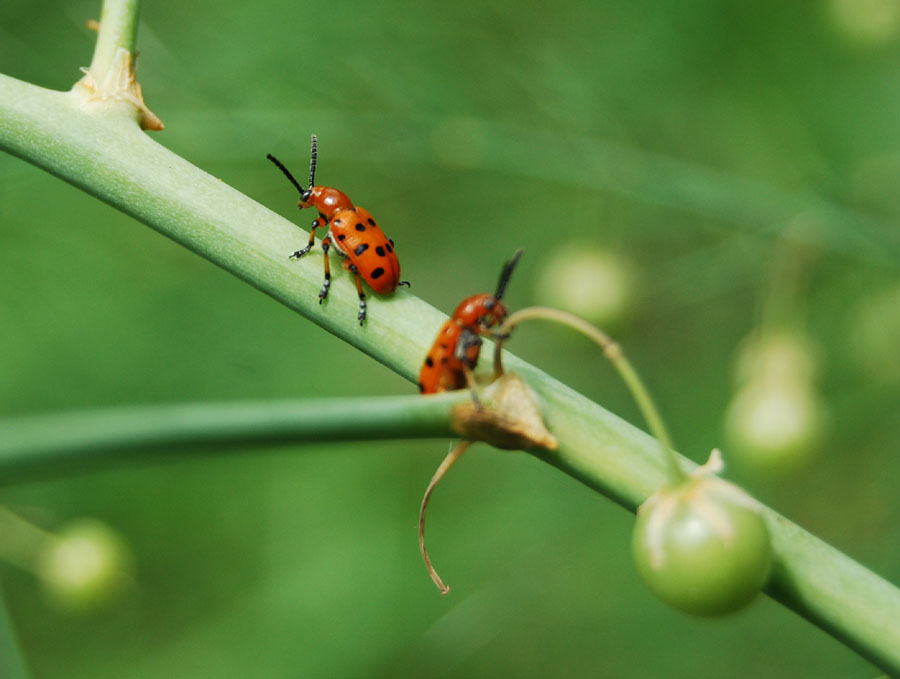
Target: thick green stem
[{"x": 99, "y": 147}]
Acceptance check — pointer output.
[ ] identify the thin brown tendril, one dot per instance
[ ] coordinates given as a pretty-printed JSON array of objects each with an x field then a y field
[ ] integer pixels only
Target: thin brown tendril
[{"x": 448, "y": 462}]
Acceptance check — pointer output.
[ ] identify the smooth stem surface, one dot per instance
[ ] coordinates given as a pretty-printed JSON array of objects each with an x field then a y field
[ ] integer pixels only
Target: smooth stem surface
[
  {"x": 118, "y": 29},
  {"x": 614, "y": 353},
  {"x": 54, "y": 443},
  {"x": 98, "y": 147}
]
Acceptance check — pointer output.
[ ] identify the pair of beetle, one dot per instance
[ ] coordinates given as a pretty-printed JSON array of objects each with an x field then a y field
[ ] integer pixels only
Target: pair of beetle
[{"x": 369, "y": 255}]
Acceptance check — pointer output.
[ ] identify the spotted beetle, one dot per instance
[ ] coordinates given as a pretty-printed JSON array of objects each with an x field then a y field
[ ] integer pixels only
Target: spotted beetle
[
  {"x": 365, "y": 251},
  {"x": 449, "y": 364}
]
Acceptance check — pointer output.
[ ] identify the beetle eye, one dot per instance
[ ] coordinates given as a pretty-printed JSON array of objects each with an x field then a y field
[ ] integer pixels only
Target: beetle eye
[{"x": 305, "y": 195}]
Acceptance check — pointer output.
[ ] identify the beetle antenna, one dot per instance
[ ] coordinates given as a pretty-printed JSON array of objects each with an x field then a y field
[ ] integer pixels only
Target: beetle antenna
[
  {"x": 287, "y": 173},
  {"x": 312, "y": 161},
  {"x": 506, "y": 273}
]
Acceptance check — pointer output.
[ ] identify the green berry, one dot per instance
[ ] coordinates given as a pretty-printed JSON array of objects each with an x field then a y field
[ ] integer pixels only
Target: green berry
[{"x": 702, "y": 547}]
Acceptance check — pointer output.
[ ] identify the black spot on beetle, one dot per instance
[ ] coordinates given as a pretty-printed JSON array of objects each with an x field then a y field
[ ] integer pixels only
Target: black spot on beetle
[
  {"x": 342, "y": 236},
  {"x": 379, "y": 251},
  {"x": 371, "y": 222},
  {"x": 377, "y": 273},
  {"x": 337, "y": 221},
  {"x": 361, "y": 248},
  {"x": 443, "y": 360},
  {"x": 421, "y": 387},
  {"x": 388, "y": 247},
  {"x": 360, "y": 226},
  {"x": 429, "y": 361}
]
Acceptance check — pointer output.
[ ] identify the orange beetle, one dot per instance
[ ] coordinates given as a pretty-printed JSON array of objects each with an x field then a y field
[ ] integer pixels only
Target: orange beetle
[
  {"x": 367, "y": 253},
  {"x": 449, "y": 363}
]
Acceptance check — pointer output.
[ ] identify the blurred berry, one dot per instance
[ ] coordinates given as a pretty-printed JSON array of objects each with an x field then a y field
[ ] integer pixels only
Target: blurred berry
[
  {"x": 84, "y": 566},
  {"x": 783, "y": 354},
  {"x": 775, "y": 425},
  {"x": 596, "y": 284}
]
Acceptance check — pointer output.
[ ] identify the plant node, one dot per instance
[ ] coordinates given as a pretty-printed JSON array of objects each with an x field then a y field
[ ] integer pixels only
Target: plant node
[
  {"x": 118, "y": 83},
  {"x": 509, "y": 419}
]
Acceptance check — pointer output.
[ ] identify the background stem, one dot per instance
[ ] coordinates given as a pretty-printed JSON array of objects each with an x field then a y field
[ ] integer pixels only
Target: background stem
[{"x": 52, "y": 444}]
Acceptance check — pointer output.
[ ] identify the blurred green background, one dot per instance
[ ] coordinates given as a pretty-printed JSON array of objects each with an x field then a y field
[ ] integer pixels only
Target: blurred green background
[{"x": 686, "y": 139}]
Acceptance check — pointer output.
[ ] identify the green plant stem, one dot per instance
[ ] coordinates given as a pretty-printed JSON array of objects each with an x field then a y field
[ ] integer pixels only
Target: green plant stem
[
  {"x": 51, "y": 444},
  {"x": 98, "y": 146},
  {"x": 614, "y": 353},
  {"x": 118, "y": 29}
]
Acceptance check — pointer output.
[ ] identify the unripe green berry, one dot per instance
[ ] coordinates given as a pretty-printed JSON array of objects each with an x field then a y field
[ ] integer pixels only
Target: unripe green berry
[{"x": 702, "y": 547}]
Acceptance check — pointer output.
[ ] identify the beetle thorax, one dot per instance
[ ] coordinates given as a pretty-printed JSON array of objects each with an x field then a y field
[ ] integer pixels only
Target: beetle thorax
[
  {"x": 483, "y": 309},
  {"x": 327, "y": 201}
]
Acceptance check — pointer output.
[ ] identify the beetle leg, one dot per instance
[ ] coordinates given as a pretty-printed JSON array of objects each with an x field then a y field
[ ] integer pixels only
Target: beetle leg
[
  {"x": 326, "y": 246},
  {"x": 473, "y": 387},
  {"x": 362, "y": 295},
  {"x": 318, "y": 222},
  {"x": 467, "y": 349}
]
